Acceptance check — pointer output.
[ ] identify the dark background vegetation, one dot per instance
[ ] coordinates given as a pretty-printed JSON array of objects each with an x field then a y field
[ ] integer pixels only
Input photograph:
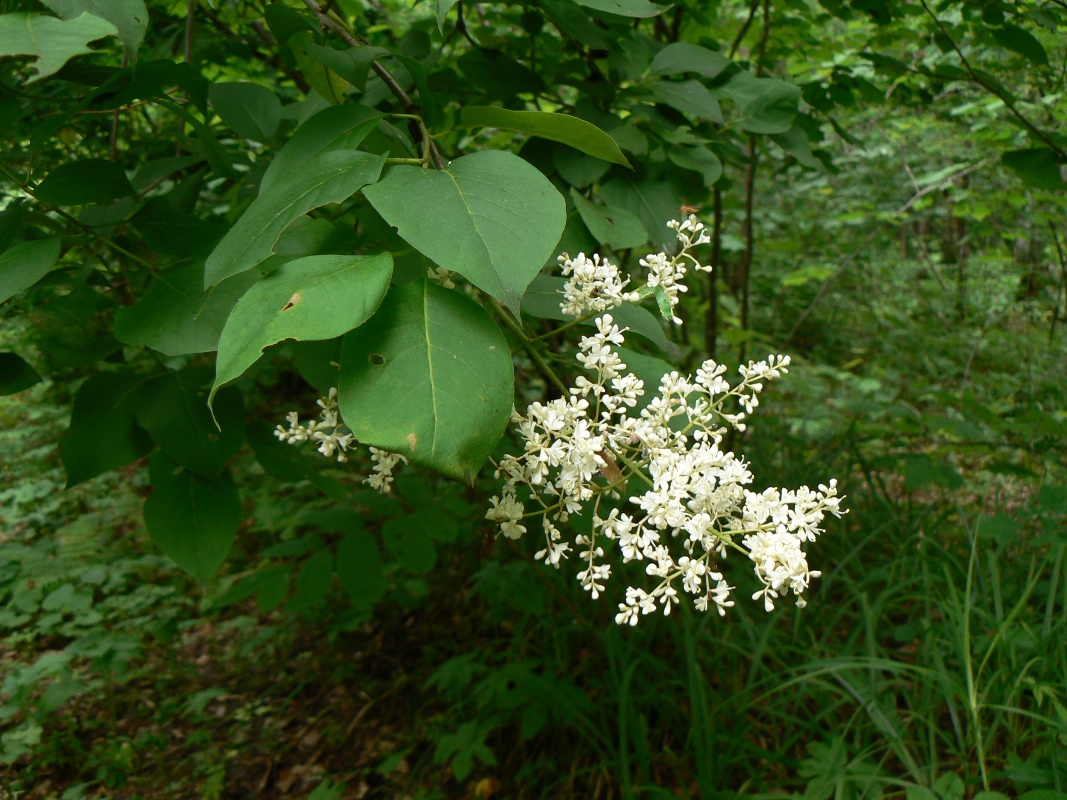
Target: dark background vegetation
[{"x": 904, "y": 240}]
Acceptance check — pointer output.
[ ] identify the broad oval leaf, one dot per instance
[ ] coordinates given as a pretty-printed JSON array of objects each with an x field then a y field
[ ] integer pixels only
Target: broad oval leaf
[
  {"x": 430, "y": 377},
  {"x": 1021, "y": 41},
  {"x": 192, "y": 519},
  {"x": 90, "y": 180},
  {"x": 577, "y": 133},
  {"x": 699, "y": 159},
  {"x": 765, "y": 105},
  {"x": 53, "y": 42},
  {"x": 679, "y": 57},
  {"x": 489, "y": 216},
  {"x": 103, "y": 432},
  {"x": 318, "y": 297},
  {"x": 24, "y": 264},
  {"x": 329, "y": 177},
  {"x": 689, "y": 97}
]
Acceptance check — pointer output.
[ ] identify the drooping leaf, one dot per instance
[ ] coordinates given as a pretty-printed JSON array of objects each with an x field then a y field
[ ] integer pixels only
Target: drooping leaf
[
  {"x": 690, "y": 97},
  {"x": 53, "y": 42},
  {"x": 625, "y": 8},
  {"x": 679, "y": 57},
  {"x": 577, "y": 168},
  {"x": 429, "y": 377},
  {"x": 329, "y": 177},
  {"x": 193, "y": 520},
  {"x": 1036, "y": 166},
  {"x": 543, "y": 301},
  {"x": 1021, "y": 41},
  {"x": 360, "y": 570},
  {"x": 285, "y": 22},
  {"x": 89, "y": 180},
  {"x": 25, "y": 264},
  {"x": 177, "y": 316},
  {"x": 443, "y": 7},
  {"x": 174, "y": 411},
  {"x": 351, "y": 64},
  {"x": 103, "y": 432},
  {"x": 174, "y": 231},
  {"x": 16, "y": 374},
  {"x": 497, "y": 74},
  {"x": 312, "y": 298},
  {"x": 615, "y": 227},
  {"x": 489, "y": 216},
  {"x": 251, "y": 110},
  {"x": 563, "y": 128},
  {"x": 130, "y": 17},
  {"x": 313, "y": 582}
]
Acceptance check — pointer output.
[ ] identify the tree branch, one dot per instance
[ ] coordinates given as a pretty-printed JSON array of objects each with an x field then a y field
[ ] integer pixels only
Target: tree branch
[{"x": 329, "y": 20}]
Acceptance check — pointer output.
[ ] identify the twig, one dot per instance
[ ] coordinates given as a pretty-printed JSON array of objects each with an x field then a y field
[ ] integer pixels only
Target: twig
[
  {"x": 744, "y": 29},
  {"x": 1062, "y": 288},
  {"x": 328, "y": 19},
  {"x": 187, "y": 53},
  {"x": 546, "y": 371}
]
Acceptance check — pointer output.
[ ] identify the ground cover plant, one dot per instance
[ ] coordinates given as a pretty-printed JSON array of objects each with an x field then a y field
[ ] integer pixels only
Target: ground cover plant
[{"x": 545, "y": 267}]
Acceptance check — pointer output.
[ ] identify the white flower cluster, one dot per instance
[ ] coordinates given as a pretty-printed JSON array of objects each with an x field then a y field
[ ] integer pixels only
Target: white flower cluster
[
  {"x": 326, "y": 431},
  {"x": 595, "y": 284},
  {"x": 688, "y": 501}
]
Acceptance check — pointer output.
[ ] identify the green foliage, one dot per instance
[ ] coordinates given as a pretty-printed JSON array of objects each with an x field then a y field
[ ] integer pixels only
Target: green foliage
[{"x": 269, "y": 208}]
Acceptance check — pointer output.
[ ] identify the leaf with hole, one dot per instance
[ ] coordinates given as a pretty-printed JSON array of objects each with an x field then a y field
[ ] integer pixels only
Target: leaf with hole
[
  {"x": 489, "y": 216},
  {"x": 429, "y": 377},
  {"x": 312, "y": 298},
  {"x": 53, "y": 42}
]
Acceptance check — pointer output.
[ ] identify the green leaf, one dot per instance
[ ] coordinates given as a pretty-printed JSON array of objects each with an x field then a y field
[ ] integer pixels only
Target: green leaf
[
  {"x": 322, "y": 79},
  {"x": 177, "y": 316},
  {"x": 795, "y": 142},
  {"x": 103, "y": 432},
  {"x": 329, "y": 177},
  {"x": 430, "y": 377},
  {"x": 572, "y": 131},
  {"x": 615, "y": 227},
  {"x": 409, "y": 542},
  {"x": 690, "y": 97},
  {"x": 251, "y": 110},
  {"x": 285, "y": 22},
  {"x": 489, "y": 216},
  {"x": 130, "y": 17},
  {"x": 360, "y": 570},
  {"x": 25, "y": 264},
  {"x": 193, "y": 520},
  {"x": 313, "y": 582},
  {"x": 679, "y": 57},
  {"x": 655, "y": 202},
  {"x": 1037, "y": 166},
  {"x": 1018, "y": 40},
  {"x": 174, "y": 411},
  {"x": 90, "y": 180},
  {"x": 16, "y": 374},
  {"x": 51, "y": 41},
  {"x": 624, "y": 8},
  {"x": 443, "y": 7},
  {"x": 698, "y": 159},
  {"x": 351, "y": 65},
  {"x": 175, "y": 232},
  {"x": 765, "y": 105},
  {"x": 576, "y": 168},
  {"x": 313, "y": 298},
  {"x": 545, "y": 293}
]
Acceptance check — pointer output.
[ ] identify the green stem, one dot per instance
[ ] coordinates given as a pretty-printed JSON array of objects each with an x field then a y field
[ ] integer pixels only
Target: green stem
[{"x": 528, "y": 346}]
